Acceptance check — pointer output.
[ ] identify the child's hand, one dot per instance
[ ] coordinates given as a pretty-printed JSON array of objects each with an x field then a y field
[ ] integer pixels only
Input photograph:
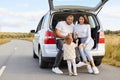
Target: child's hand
[
  {"x": 63, "y": 41},
  {"x": 77, "y": 41}
]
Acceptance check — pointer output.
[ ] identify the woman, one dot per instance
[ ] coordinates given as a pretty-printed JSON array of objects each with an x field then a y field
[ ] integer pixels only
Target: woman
[{"x": 83, "y": 32}]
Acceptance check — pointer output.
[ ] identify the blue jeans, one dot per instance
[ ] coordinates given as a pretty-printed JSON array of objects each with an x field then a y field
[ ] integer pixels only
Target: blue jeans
[
  {"x": 59, "y": 54},
  {"x": 85, "y": 52}
]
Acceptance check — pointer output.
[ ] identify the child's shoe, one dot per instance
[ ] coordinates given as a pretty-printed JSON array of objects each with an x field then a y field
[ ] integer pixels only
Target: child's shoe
[
  {"x": 75, "y": 74},
  {"x": 70, "y": 74}
]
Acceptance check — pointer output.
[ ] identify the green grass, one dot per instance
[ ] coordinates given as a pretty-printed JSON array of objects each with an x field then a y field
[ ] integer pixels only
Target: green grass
[
  {"x": 8, "y": 36},
  {"x": 112, "y": 54},
  {"x": 28, "y": 39},
  {"x": 3, "y": 41}
]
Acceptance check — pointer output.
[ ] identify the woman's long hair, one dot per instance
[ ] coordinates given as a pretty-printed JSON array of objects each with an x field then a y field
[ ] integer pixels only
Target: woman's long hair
[{"x": 85, "y": 19}]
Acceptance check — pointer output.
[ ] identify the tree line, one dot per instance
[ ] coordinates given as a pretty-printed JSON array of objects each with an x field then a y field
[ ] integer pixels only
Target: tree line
[
  {"x": 112, "y": 32},
  {"x": 4, "y": 35}
]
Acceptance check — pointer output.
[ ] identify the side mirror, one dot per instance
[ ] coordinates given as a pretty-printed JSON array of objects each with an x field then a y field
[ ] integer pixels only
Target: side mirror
[{"x": 32, "y": 31}]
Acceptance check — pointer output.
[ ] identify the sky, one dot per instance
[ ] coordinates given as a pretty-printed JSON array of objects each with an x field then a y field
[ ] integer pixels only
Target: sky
[{"x": 24, "y": 15}]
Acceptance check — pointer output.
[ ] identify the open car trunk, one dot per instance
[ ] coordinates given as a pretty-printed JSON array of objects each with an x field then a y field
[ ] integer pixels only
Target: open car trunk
[
  {"x": 61, "y": 16},
  {"x": 83, "y": 5}
]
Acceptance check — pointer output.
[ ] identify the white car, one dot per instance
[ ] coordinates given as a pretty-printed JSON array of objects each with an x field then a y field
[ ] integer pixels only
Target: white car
[{"x": 44, "y": 42}]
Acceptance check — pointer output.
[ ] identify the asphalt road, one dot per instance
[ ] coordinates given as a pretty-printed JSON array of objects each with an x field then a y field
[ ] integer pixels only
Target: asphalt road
[{"x": 16, "y": 63}]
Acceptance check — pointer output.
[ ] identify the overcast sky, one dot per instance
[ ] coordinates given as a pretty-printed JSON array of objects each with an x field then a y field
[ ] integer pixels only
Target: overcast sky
[{"x": 24, "y": 15}]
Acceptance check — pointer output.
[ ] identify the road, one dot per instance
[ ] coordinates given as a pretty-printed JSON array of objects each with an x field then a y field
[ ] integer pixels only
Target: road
[{"x": 16, "y": 63}]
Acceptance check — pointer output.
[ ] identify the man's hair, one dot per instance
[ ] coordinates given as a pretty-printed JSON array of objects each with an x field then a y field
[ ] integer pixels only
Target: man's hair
[
  {"x": 70, "y": 15},
  {"x": 68, "y": 39}
]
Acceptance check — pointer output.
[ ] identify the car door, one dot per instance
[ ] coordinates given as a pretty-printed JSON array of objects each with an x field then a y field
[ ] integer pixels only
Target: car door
[
  {"x": 36, "y": 36},
  {"x": 83, "y": 5}
]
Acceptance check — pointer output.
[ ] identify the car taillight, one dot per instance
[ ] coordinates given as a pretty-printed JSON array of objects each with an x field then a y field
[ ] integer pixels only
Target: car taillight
[
  {"x": 101, "y": 37},
  {"x": 49, "y": 38}
]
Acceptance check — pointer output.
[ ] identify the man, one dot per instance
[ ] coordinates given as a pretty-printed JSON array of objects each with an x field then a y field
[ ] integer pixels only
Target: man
[{"x": 62, "y": 29}]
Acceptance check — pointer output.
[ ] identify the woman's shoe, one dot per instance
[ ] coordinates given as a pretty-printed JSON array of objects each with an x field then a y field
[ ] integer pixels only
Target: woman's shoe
[
  {"x": 95, "y": 70},
  {"x": 80, "y": 64},
  {"x": 89, "y": 68}
]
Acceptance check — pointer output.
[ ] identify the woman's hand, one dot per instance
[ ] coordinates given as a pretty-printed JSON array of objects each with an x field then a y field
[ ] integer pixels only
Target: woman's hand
[{"x": 84, "y": 45}]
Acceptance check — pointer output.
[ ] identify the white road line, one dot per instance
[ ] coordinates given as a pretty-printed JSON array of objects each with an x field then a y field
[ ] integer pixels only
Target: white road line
[
  {"x": 15, "y": 48},
  {"x": 2, "y": 70}
]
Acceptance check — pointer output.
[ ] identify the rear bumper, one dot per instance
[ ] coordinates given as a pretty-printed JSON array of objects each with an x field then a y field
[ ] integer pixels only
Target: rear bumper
[
  {"x": 97, "y": 52},
  {"x": 52, "y": 52},
  {"x": 52, "y": 59},
  {"x": 49, "y": 50},
  {"x": 49, "y": 53}
]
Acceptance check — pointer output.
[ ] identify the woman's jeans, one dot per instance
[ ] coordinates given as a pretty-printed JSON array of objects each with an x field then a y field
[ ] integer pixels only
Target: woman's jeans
[
  {"x": 60, "y": 53},
  {"x": 85, "y": 52}
]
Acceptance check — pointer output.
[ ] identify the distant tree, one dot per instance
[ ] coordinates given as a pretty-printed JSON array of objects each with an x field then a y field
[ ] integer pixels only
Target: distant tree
[
  {"x": 108, "y": 32},
  {"x": 112, "y": 32}
]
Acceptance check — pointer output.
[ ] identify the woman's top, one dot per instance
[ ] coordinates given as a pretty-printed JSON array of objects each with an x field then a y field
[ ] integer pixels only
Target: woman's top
[{"x": 83, "y": 31}]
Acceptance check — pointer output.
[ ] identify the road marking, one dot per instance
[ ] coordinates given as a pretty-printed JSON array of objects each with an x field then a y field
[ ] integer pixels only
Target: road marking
[
  {"x": 2, "y": 70},
  {"x": 15, "y": 48}
]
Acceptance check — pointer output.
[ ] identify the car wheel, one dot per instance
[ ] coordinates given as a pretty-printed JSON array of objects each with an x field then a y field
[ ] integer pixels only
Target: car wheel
[
  {"x": 34, "y": 55},
  {"x": 42, "y": 63},
  {"x": 98, "y": 62}
]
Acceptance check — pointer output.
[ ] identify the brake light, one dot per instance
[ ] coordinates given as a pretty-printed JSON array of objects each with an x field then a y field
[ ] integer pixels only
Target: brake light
[
  {"x": 101, "y": 37},
  {"x": 49, "y": 38}
]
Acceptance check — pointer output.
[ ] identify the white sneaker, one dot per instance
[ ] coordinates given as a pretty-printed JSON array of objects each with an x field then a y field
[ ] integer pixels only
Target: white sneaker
[
  {"x": 95, "y": 70},
  {"x": 57, "y": 70},
  {"x": 75, "y": 74},
  {"x": 80, "y": 64},
  {"x": 70, "y": 74},
  {"x": 89, "y": 69}
]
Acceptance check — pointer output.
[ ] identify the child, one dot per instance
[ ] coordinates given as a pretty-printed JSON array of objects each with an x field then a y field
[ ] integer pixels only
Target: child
[{"x": 69, "y": 54}]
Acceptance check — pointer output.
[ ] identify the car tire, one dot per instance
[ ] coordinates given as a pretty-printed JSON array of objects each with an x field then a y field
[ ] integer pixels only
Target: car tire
[
  {"x": 42, "y": 63},
  {"x": 98, "y": 62},
  {"x": 34, "y": 55}
]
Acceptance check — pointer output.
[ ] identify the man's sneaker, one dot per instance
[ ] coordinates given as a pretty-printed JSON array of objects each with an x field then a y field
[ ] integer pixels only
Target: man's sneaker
[
  {"x": 80, "y": 64},
  {"x": 89, "y": 69},
  {"x": 57, "y": 70},
  {"x": 95, "y": 70}
]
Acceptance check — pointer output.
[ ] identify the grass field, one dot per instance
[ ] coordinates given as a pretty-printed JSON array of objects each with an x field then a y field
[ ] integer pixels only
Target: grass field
[
  {"x": 112, "y": 42},
  {"x": 112, "y": 54},
  {"x": 7, "y": 36},
  {"x": 2, "y": 41}
]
